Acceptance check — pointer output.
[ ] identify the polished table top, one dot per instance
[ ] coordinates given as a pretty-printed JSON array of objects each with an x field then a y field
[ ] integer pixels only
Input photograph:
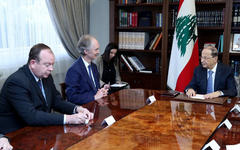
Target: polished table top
[
  {"x": 224, "y": 136},
  {"x": 166, "y": 124}
]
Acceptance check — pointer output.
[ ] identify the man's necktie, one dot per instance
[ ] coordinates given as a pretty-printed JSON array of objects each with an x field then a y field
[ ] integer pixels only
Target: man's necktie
[
  {"x": 210, "y": 82},
  {"x": 41, "y": 88},
  {"x": 90, "y": 74}
]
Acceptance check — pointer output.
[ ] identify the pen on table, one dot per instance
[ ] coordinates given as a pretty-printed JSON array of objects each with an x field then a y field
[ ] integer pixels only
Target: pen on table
[{"x": 94, "y": 109}]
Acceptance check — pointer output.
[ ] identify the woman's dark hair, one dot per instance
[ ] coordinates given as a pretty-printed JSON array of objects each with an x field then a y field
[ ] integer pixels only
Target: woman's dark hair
[{"x": 107, "y": 51}]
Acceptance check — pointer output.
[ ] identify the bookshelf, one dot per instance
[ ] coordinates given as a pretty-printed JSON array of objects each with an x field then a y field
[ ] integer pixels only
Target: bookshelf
[{"x": 214, "y": 19}]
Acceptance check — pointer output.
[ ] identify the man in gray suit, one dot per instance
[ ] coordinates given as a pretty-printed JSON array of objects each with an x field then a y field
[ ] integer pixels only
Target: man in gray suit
[{"x": 29, "y": 95}]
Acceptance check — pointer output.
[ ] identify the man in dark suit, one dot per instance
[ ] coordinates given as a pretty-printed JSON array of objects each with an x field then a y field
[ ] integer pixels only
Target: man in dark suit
[
  {"x": 29, "y": 95},
  {"x": 211, "y": 78},
  {"x": 82, "y": 79},
  {"x": 4, "y": 143}
]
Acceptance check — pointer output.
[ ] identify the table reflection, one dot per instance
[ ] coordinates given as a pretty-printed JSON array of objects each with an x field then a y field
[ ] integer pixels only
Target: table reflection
[
  {"x": 189, "y": 120},
  {"x": 165, "y": 124},
  {"x": 224, "y": 136}
]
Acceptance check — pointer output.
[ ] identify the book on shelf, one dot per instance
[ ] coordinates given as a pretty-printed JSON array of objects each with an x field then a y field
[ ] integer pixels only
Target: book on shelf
[
  {"x": 236, "y": 15},
  {"x": 124, "y": 60},
  {"x": 133, "y": 40},
  {"x": 157, "y": 41},
  {"x": 128, "y": 19},
  {"x": 145, "y": 19},
  {"x": 151, "y": 38},
  {"x": 153, "y": 41},
  {"x": 157, "y": 62},
  {"x": 220, "y": 44},
  {"x": 128, "y": 1},
  {"x": 154, "y": 1},
  {"x": 236, "y": 42},
  {"x": 210, "y": 18},
  {"x": 136, "y": 63},
  {"x": 159, "y": 20}
]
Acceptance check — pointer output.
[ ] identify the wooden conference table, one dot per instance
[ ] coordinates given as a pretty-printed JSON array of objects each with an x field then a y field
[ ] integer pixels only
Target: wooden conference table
[{"x": 165, "y": 124}]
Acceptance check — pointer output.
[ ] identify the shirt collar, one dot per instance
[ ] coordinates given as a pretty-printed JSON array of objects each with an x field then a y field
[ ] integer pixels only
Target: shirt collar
[
  {"x": 214, "y": 68},
  {"x": 35, "y": 77},
  {"x": 85, "y": 62}
]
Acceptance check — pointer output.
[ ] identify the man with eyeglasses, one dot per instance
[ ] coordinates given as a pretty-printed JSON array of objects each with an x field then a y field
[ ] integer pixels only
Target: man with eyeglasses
[
  {"x": 212, "y": 78},
  {"x": 29, "y": 95}
]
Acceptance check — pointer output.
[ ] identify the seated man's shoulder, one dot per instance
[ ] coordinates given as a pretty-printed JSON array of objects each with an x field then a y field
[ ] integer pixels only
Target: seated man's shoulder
[
  {"x": 73, "y": 70},
  {"x": 19, "y": 75},
  {"x": 199, "y": 67},
  {"x": 225, "y": 67}
]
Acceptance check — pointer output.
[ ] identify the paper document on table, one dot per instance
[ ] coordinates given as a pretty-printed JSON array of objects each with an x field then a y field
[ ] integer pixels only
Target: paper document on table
[
  {"x": 233, "y": 147},
  {"x": 119, "y": 85},
  {"x": 198, "y": 96}
]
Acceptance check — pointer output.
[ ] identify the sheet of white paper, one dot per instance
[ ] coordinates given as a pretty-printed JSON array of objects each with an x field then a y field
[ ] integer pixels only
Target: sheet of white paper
[
  {"x": 233, "y": 147},
  {"x": 118, "y": 85},
  {"x": 198, "y": 96}
]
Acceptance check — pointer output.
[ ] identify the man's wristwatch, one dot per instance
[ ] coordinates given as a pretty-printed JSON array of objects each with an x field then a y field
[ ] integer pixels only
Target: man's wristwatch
[{"x": 75, "y": 110}]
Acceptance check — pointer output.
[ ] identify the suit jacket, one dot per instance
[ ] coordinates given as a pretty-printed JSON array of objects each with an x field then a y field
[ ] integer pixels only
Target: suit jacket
[
  {"x": 79, "y": 87},
  {"x": 224, "y": 80},
  {"x": 22, "y": 102},
  {"x": 99, "y": 63}
]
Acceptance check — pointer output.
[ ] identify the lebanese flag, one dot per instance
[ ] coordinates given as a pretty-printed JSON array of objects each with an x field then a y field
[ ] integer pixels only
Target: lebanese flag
[{"x": 184, "y": 55}]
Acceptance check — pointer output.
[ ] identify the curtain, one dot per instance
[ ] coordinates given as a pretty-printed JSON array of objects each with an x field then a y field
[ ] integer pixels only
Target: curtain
[
  {"x": 71, "y": 19},
  {"x": 23, "y": 24}
]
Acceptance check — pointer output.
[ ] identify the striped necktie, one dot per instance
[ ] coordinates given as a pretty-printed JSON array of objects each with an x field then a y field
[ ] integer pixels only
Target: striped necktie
[{"x": 90, "y": 74}]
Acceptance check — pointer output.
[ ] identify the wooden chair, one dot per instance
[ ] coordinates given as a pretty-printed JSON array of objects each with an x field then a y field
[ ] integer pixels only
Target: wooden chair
[{"x": 63, "y": 88}]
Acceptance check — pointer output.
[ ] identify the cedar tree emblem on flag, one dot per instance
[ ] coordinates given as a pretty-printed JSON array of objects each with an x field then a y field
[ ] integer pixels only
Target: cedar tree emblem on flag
[{"x": 184, "y": 29}]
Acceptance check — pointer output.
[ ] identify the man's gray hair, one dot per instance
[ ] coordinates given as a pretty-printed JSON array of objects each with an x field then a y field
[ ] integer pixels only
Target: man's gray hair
[
  {"x": 84, "y": 43},
  {"x": 214, "y": 51}
]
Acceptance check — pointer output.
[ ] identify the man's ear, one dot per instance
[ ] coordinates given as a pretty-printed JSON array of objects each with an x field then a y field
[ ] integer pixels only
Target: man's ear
[
  {"x": 85, "y": 52},
  {"x": 32, "y": 61}
]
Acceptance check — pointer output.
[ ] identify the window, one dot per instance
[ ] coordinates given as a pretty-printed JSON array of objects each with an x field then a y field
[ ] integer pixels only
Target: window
[{"x": 23, "y": 24}]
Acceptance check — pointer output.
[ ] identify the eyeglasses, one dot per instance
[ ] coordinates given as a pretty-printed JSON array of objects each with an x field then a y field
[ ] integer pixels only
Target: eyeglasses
[{"x": 205, "y": 58}]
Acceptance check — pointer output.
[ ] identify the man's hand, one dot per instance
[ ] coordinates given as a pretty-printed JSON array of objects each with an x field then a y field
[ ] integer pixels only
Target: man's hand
[
  {"x": 101, "y": 93},
  {"x": 78, "y": 118},
  {"x": 107, "y": 86},
  {"x": 4, "y": 144},
  {"x": 190, "y": 93},
  {"x": 212, "y": 95},
  {"x": 84, "y": 111}
]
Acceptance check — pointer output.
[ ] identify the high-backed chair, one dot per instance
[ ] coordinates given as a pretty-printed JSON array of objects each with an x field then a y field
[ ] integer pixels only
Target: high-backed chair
[{"x": 63, "y": 88}]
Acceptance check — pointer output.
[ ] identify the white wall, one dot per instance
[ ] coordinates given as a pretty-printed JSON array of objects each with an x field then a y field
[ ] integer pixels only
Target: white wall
[{"x": 99, "y": 21}]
